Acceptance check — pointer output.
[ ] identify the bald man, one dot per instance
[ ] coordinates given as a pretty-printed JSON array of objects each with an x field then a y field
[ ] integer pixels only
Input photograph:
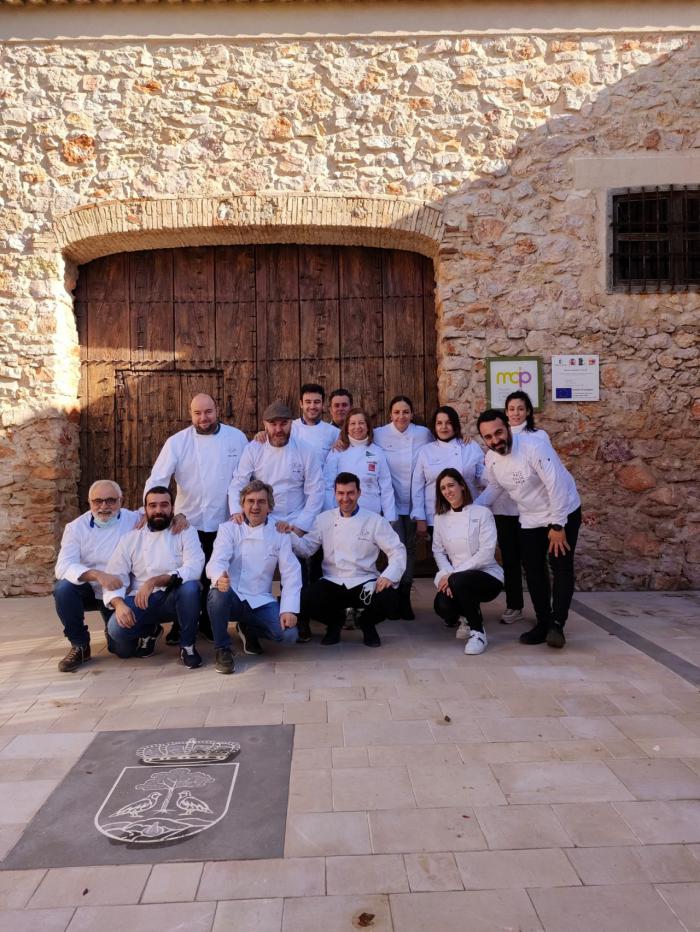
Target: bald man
[{"x": 203, "y": 459}]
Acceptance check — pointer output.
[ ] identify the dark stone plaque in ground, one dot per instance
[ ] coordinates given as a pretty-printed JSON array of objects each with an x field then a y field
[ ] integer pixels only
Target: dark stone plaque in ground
[{"x": 194, "y": 794}]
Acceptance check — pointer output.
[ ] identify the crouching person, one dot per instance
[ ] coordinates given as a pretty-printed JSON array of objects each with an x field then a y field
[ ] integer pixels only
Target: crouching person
[
  {"x": 159, "y": 571},
  {"x": 241, "y": 569},
  {"x": 351, "y": 538}
]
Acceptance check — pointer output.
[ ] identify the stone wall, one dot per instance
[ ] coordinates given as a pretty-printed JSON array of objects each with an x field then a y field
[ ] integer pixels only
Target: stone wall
[{"x": 483, "y": 129}]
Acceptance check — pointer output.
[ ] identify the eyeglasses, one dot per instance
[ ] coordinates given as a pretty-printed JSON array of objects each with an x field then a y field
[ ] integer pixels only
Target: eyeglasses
[{"x": 111, "y": 502}]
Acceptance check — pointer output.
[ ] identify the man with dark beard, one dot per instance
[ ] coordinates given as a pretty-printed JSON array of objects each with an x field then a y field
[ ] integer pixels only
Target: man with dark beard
[
  {"x": 159, "y": 572},
  {"x": 203, "y": 459}
]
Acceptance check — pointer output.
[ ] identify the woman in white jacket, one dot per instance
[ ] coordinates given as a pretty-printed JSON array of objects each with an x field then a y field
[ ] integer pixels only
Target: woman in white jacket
[
  {"x": 356, "y": 452},
  {"x": 464, "y": 545}
]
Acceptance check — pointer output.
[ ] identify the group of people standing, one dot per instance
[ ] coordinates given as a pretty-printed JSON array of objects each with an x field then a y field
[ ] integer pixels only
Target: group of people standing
[{"x": 318, "y": 502}]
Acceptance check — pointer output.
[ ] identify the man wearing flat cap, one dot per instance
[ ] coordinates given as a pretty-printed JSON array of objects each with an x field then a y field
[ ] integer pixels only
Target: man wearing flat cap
[{"x": 292, "y": 468}]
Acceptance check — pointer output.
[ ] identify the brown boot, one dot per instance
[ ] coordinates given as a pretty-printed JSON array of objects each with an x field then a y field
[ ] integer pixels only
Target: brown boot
[{"x": 75, "y": 658}]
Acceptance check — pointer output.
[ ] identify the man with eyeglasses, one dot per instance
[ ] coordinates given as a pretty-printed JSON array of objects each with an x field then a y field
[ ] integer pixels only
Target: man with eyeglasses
[{"x": 87, "y": 544}]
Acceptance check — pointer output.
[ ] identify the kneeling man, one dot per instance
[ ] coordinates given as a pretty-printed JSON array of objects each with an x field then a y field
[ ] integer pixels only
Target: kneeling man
[
  {"x": 351, "y": 538},
  {"x": 160, "y": 571},
  {"x": 241, "y": 569}
]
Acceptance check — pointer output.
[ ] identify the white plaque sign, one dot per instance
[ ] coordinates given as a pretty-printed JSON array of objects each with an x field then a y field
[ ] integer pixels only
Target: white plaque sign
[{"x": 575, "y": 377}]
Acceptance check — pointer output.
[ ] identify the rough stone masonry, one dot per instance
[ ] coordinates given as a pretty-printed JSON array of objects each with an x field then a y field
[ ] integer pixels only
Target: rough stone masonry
[{"x": 483, "y": 129}]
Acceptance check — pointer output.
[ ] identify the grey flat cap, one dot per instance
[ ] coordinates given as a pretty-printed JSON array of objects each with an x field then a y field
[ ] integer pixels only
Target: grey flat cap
[{"x": 278, "y": 409}]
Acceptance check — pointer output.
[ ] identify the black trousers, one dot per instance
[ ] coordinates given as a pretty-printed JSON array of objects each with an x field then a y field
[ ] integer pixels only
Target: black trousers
[
  {"x": 206, "y": 539},
  {"x": 469, "y": 589},
  {"x": 508, "y": 530},
  {"x": 326, "y": 602},
  {"x": 551, "y": 603}
]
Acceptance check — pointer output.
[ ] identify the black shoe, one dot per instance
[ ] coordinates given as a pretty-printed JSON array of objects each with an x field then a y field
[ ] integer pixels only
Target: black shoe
[
  {"x": 303, "y": 631},
  {"x": 147, "y": 645},
  {"x": 191, "y": 661},
  {"x": 251, "y": 645},
  {"x": 332, "y": 636},
  {"x": 172, "y": 638},
  {"x": 75, "y": 658},
  {"x": 536, "y": 635},
  {"x": 204, "y": 629},
  {"x": 370, "y": 638},
  {"x": 555, "y": 635},
  {"x": 224, "y": 660}
]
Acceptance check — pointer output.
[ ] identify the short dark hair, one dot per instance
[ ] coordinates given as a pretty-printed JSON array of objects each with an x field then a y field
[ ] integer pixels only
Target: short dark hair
[
  {"x": 345, "y": 478},
  {"x": 397, "y": 398},
  {"x": 339, "y": 391},
  {"x": 441, "y": 504},
  {"x": 161, "y": 490},
  {"x": 529, "y": 410},
  {"x": 452, "y": 415},
  {"x": 312, "y": 388},
  {"x": 491, "y": 414}
]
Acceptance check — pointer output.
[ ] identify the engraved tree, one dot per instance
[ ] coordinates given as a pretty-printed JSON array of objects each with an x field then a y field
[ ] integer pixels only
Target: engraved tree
[{"x": 171, "y": 780}]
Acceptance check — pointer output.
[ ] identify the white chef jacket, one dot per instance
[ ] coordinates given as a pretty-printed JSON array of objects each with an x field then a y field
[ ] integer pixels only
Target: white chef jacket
[
  {"x": 369, "y": 464},
  {"x": 293, "y": 471},
  {"x": 351, "y": 547},
  {"x": 87, "y": 546},
  {"x": 250, "y": 556},
  {"x": 319, "y": 437},
  {"x": 146, "y": 553},
  {"x": 504, "y": 504},
  {"x": 203, "y": 466},
  {"x": 464, "y": 456},
  {"x": 465, "y": 540},
  {"x": 401, "y": 451},
  {"x": 534, "y": 477}
]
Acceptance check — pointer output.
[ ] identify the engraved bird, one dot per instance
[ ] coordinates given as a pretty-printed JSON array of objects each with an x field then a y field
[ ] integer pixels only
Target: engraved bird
[
  {"x": 189, "y": 803},
  {"x": 138, "y": 807}
]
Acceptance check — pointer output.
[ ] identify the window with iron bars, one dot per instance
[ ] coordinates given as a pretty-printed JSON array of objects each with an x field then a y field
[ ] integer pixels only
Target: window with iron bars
[{"x": 655, "y": 239}]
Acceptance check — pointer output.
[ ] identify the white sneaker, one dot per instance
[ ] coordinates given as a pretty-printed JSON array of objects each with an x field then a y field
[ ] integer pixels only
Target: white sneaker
[
  {"x": 462, "y": 633},
  {"x": 511, "y": 615},
  {"x": 477, "y": 643}
]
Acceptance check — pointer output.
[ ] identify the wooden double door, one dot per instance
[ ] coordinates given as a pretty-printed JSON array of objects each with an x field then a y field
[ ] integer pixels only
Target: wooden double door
[{"x": 247, "y": 325}]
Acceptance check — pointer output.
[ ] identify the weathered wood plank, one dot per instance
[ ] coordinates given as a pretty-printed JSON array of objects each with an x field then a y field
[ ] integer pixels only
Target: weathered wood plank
[
  {"x": 318, "y": 273},
  {"x": 108, "y": 318},
  {"x": 360, "y": 272},
  {"x": 194, "y": 307},
  {"x": 151, "y": 289},
  {"x": 403, "y": 326},
  {"x": 401, "y": 274}
]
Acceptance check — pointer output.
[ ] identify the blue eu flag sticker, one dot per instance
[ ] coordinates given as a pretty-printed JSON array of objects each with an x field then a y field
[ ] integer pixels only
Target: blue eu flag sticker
[{"x": 563, "y": 393}]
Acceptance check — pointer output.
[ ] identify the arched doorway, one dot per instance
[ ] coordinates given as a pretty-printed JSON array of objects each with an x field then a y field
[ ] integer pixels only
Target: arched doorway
[{"x": 247, "y": 324}]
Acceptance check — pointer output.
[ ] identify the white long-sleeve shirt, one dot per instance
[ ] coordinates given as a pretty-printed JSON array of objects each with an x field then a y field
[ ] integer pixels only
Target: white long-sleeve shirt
[
  {"x": 369, "y": 464},
  {"x": 320, "y": 437},
  {"x": 203, "y": 466},
  {"x": 401, "y": 451},
  {"x": 250, "y": 556},
  {"x": 465, "y": 540},
  {"x": 504, "y": 504},
  {"x": 351, "y": 547},
  {"x": 464, "y": 456},
  {"x": 533, "y": 475},
  {"x": 87, "y": 546},
  {"x": 293, "y": 471},
  {"x": 146, "y": 553}
]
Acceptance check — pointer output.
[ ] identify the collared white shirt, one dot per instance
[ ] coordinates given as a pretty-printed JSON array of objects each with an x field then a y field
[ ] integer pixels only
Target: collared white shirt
[
  {"x": 465, "y": 540},
  {"x": 351, "y": 547},
  {"x": 464, "y": 456},
  {"x": 533, "y": 475},
  {"x": 369, "y": 464},
  {"x": 320, "y": 437},
  {"x": 145, "y": 553},
  {"x": 203, "y": 466},
  {"x": 250, "y": 556},
  {"x": 87, "y": 546},
  {"x": 293, "y": 471},
  {"x": 504, "y": 504},
  {"x": 401, "y": 451}
]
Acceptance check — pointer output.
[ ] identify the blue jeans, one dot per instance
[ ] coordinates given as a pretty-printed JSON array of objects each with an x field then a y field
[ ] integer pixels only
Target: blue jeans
[
  {"x": 181, "y": 603},
  {"x": 263, "y": 621},
  {"x": 72, "y": 601}
]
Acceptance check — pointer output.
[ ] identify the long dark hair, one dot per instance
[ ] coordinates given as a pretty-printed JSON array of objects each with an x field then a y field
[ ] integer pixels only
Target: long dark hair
[
  {"x": 529, "y": 410},
  {"x": 441, "y": 504},
  {"x": 454, "y": 420}
]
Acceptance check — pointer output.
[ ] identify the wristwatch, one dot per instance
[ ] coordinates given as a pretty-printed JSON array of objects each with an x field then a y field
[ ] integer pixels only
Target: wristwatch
[{"x": 556, "y": 527}]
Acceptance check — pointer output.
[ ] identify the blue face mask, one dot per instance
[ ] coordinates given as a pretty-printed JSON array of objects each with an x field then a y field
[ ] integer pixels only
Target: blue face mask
[{"x": 100, "y": 523}]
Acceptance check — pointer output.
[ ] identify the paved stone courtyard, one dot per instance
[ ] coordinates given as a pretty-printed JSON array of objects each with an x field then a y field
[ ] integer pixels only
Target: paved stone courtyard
[{"x": 522, "y": 789}]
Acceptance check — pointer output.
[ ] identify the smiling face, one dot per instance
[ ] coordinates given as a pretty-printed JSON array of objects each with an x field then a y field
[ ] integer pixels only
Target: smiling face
[
  {"x": 159, "y": 510},
  {"x": 346, "y": 495},
  {"x": 256, "y": 507},
  {"x": 443, "y": 427},
  {"x": 401, "y": 415},
  {"x": 497, "y": 436},
  {"x": 357, "y": 427},
  {"x": 311, "y": 407},
  {"x": 517, "y": 412},
  {"x": 452, "y": 492},
  {"x": 205, "y": 418},
  {"x": 105, "y": 502}
]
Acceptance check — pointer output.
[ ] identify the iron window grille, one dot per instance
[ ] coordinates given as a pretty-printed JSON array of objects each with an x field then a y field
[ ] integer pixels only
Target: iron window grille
[{"x": 655, "y": 239}]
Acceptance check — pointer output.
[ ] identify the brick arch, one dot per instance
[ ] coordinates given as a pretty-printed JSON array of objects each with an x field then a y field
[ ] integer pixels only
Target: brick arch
[{"x": 93, "y": 231}]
